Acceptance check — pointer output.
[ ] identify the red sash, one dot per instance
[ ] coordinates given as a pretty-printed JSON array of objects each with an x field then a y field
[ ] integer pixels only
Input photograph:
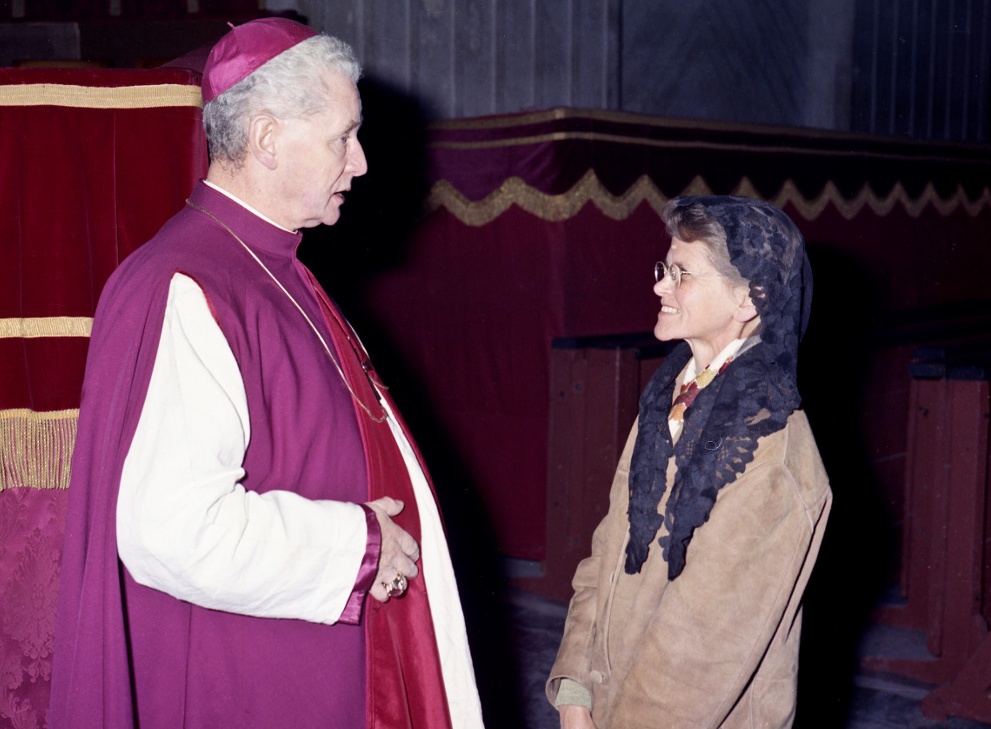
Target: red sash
[{"x": 405, "y": 686}]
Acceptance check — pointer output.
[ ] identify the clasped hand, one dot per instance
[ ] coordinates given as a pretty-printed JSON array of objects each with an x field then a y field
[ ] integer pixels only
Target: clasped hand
[{"x": 399, "y": 551}]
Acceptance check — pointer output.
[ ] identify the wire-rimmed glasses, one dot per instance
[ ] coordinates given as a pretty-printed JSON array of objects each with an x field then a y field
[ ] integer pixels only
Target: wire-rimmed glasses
[{"x": 674, "y": 272}]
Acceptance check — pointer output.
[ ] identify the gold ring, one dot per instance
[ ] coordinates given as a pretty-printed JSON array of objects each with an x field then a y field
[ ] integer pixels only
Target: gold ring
[{"x": 397, "y": 588}]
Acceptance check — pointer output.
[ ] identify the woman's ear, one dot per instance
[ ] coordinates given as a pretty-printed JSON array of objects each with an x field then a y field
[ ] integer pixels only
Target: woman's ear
[
  {"x": 746, "y": 311},
  {"x": 262, "y": 135}
]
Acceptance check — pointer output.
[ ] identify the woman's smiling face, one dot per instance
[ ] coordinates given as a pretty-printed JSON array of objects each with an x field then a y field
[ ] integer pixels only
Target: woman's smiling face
[{"x": 705, "y": 309}]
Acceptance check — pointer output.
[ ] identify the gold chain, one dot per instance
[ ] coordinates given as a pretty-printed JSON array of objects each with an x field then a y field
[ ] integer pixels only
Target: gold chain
[{"x": 316, "y": 331}]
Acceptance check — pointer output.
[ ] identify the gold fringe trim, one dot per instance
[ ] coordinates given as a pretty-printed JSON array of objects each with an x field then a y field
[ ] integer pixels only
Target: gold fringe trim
[
  {"x": 46, "y": 326},
  {"x": 556, "y": 208},
  {"x": 36, "y": 448},
  {"x": 94, "y": 97}
]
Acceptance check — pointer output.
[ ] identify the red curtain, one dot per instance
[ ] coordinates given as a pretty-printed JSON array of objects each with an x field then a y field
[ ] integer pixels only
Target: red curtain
[
  {"x": 540, "y": 226},
  {"x": 546, "y": 225},
  {"x": 473, "y": 312},
  {"x": 93, "y": 164}
]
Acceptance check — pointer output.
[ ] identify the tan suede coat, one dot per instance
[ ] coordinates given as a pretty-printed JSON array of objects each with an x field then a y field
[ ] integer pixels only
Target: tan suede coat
[{"x": 718, "y": 646}]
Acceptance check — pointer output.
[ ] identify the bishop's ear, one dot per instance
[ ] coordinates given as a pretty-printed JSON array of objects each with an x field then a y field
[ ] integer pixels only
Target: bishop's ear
[{"x": 262, "y": 134}]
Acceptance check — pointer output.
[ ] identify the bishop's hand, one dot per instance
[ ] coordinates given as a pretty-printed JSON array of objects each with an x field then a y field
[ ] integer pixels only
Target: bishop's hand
[{"x": 399, "y": 551}]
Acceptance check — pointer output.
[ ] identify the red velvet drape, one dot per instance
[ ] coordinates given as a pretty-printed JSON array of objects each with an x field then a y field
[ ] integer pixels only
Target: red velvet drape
[
  {"x": 546, "y": 225},
  {"x": 473, "y": 312},
  {"x": 542, "y": 226},
  {"x": 93, "y": 164}
]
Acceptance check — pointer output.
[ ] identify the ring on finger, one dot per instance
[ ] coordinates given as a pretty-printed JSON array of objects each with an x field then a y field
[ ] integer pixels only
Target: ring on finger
[{"x": 396, "y": 588}]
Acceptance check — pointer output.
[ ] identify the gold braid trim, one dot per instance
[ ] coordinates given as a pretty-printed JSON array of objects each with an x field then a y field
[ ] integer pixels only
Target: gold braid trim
[
  {"x": 867, "y": 198},
  {"x": 95, "y": 97},
  {"x": 555, "y": 208},
  {"x": 36, "y": 448},
  {"x": 514, "y": 191},
  {"x": 46, "y": 326}
]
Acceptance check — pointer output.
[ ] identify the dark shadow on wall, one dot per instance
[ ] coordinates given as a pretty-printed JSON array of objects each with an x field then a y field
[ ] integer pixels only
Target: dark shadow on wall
[
  {"x": 858, "y": 554},
  {"x": 380, "y": 213},
  {"x": 373, "y": 235}
]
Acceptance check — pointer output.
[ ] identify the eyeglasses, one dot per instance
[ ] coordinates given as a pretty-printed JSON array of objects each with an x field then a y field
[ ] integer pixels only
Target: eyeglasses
[{"x": 674, "y": 272}]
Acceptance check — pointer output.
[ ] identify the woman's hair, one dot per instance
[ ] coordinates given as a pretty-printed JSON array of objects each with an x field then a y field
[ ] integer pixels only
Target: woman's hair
[
  {"x": 290, "y": 86},
  {"x": 694, "y": 224}
]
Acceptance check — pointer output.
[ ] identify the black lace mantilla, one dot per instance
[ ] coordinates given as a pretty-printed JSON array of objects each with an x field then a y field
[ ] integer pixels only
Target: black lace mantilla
[{"x": 750, "y": 399}]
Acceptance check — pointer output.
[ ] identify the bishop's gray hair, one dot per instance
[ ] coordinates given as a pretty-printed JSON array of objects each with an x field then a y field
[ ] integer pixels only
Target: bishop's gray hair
[{"x": 290, "y": 86}]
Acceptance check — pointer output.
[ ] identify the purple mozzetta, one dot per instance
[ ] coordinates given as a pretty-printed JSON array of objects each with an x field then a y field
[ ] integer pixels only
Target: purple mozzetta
[{"x": 129, "y": 655}]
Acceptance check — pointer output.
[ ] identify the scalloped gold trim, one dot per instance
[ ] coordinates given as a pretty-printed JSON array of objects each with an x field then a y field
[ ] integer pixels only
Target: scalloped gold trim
[
  {"x": 867, "y": 198},
  {"x": 46, "y": 326},
  {"x": 36, "y": 448},
  {"x": 514, "y": 191},
  {"x": 97, "y": 97},
  {"x": 555, "y": 208}
]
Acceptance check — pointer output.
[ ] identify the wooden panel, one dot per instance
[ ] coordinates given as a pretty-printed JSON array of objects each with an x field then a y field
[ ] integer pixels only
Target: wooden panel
[
  {"x": 479, "y": 57},
  {"x": 338, "y": 19},
  {"x": 594, "y": 394},
  {"x": 944, "y": 539},
  {"x": 710, "y": 60},
  {"x": 884, "y": 406},
  {"x": 474, "y": 58},
  {"x": 588, "y": 53},
  {"x": 552, "y": 73},
  {"x": 431, "y": 67},
  {"x": 921, "y": 68},
  {"x": 514, "y": 54},
  {"x": 386, "y": 42}
]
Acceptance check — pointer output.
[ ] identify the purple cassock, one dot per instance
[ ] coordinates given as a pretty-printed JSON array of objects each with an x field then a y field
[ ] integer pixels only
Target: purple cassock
[{"x": 127, "y": 655}]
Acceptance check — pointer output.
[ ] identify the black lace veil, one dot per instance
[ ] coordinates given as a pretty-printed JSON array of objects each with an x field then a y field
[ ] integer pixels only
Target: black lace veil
[{"x": 752, "y": 398}]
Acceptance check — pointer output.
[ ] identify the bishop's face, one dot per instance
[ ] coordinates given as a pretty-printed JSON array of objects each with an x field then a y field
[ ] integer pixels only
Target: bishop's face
[{"x": 319, "y": 155}]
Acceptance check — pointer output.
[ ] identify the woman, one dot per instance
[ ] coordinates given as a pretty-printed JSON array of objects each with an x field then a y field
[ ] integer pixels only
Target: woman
[{"x": 688, "y": 611}]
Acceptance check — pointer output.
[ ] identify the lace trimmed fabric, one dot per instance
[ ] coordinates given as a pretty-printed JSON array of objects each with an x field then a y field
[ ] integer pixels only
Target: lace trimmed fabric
[{"x": 751, "y": 399}]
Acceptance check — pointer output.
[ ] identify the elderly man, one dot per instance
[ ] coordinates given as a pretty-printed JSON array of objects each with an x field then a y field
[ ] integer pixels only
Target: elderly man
[{"x": 241, "y": 478}]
